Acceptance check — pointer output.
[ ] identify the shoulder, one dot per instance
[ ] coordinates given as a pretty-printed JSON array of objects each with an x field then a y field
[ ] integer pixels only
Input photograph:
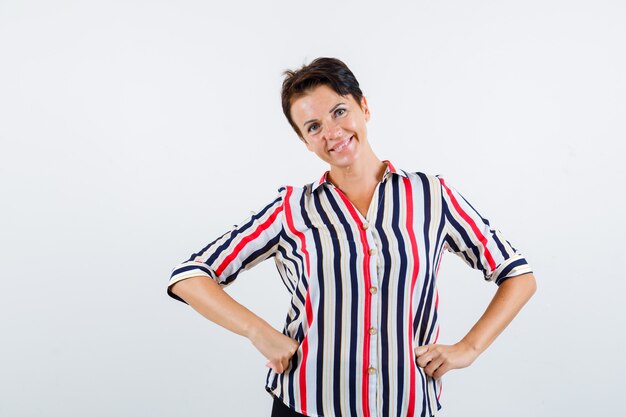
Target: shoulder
[
  {"x": 423, "y": 177},
  {"x": 433, "y": 185},
  {"x": 290, "y": 193},
  {"x": 293, "y": 189}
]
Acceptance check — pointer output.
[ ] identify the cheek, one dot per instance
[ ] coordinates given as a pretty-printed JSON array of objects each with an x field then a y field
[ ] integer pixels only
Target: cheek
[{"x": 350, "y": 124}]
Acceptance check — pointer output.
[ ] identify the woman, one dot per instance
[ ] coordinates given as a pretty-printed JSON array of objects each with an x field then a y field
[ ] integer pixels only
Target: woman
[{"x": 359, "y": 251}]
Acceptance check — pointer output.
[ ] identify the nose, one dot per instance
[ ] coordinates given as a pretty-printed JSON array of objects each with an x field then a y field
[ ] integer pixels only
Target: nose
[{"x": 333, "y": 131}]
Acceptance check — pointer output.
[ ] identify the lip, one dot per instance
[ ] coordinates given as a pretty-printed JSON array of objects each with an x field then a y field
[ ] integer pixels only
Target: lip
[{"x": 346, "y": 142}]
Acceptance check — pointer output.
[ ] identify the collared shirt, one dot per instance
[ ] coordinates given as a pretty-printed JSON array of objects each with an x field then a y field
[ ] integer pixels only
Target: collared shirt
[{"x": 363, "y": 289}]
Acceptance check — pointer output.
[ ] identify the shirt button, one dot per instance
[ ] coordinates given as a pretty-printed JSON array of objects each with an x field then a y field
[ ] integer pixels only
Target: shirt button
[
  {"x": 373, "y": 290},
  {"x": 371, "y": 371},
  {"x": 364, "y": 226},
  {"x": 372, "y": 251},
  {"x": 373, "y": 330}
]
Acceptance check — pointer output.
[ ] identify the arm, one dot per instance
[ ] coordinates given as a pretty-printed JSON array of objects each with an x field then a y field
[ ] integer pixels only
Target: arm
[
  {"x": 210, "y": 300},
  {"x": 509, "y": 299}
]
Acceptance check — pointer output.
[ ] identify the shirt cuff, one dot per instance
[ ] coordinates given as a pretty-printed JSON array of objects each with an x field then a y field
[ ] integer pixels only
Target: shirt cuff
[
  {"x": 188, "y": 270},
  {"x": 512, "y": 267}
]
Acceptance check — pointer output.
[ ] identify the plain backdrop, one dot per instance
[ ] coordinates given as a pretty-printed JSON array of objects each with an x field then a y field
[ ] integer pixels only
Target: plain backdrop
[{"x": 132, "y": 133}]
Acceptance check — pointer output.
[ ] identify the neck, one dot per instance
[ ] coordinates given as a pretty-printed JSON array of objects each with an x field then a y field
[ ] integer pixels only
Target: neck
[{"x": 365, "y": 172}]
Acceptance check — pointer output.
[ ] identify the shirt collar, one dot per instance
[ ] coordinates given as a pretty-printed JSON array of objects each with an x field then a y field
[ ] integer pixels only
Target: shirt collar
[{"x": 388, "y": 171}]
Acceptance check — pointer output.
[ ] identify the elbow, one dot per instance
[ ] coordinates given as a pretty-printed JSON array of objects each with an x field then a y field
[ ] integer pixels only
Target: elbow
[
  {"x": 530, "y": 284},
  {"x": 524, "y": 285},
  {"x": 189, "y": 289},
  {"x": 183, "y": 288},
  {"x": 175, "y": 291}
]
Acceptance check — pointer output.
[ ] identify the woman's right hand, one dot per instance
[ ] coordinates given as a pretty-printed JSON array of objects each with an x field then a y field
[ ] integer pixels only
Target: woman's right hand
[
  {"x": 275, "y": 346},
  {"x": 210, "y": 300}
]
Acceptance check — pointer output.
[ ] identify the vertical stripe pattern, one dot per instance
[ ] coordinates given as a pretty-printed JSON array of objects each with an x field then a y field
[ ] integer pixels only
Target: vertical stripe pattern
[{"x": 363, "y": 287}]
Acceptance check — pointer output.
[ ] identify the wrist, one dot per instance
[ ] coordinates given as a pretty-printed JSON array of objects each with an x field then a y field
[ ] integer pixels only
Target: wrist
[
  {"x": 470, "y": 347},
  {"x": 254, "y": 328}
]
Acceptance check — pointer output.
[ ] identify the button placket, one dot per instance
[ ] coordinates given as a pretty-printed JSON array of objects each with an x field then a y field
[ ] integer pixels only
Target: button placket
[
  {"x": 373, "y": 242},
  {"x": 372, "y": 332}
]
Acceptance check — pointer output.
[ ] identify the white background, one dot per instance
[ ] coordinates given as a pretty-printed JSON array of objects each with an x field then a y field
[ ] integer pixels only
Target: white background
[{"x": 132, "y": 133}]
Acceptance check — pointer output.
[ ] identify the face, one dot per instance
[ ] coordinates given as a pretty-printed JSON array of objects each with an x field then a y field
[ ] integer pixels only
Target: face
[{"x": 332, "y": 126}]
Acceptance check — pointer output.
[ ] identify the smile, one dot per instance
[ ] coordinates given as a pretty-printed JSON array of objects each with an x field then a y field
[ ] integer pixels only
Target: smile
[{"x": 342, "y": 145}]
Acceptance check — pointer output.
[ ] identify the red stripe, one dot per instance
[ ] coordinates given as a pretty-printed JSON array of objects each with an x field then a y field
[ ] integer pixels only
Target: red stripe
[
  {"x": 321, "y": 180},
  {"x": 305, "y": 355},
  {"x": 390, "y": 166},
  {"x": 468, "y": 219},
  {"x": 440, "y": 389},
  {"x": 368, "y": 301},
  {"x": 307, "y": 304},
  {"x": 262, "y": 227},
  {"x": 414, "y": 252}
]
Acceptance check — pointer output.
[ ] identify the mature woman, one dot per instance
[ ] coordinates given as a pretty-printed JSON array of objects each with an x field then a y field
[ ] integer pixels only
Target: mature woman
[{"x": 359, "y": 250}]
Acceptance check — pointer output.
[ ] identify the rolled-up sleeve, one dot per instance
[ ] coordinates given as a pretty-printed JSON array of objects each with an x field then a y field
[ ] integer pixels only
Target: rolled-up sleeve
[
  {"x": 476, "y": 241},
  {"x": 245, "y": 245}
]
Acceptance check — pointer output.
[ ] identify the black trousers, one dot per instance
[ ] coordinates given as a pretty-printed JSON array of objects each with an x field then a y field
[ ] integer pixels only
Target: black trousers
[{"x": 279, "y": 409}]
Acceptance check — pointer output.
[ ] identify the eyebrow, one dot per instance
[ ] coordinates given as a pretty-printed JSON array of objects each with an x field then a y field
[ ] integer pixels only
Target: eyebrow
[{"x": 331, "y": 110}]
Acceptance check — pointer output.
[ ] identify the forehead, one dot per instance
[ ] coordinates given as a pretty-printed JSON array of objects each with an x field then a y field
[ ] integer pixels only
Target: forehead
[{"x": 319, "y": 99}]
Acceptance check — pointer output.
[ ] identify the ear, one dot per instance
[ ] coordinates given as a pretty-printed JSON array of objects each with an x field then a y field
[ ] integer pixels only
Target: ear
[{"x": 366, "y": 109}]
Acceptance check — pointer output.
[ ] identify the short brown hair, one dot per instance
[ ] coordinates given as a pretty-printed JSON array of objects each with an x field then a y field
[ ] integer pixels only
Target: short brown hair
[{"x": 321, "y": 71}]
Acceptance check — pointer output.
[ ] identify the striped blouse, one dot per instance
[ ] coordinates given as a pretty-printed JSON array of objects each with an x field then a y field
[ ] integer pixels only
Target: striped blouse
[{"x": 363, "y": 289}]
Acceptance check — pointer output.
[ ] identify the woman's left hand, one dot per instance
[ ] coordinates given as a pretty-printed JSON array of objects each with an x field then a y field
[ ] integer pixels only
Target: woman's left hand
[
  {"x": 439, "y": 359},
  {"x": 512, "y": 294}
]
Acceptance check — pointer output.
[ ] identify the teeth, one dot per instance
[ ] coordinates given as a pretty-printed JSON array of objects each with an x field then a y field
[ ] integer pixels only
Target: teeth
[{"x": 343, "y": 145}]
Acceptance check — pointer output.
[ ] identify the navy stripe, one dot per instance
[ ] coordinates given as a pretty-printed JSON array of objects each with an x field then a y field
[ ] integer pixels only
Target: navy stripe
[
  {"x": 264, "y": 252},
  {"x": 338, "y": 304},
  {"x": 203, "y": 250},
  {"x": 401, "y": 279},
  {"x": 206, "y": 270},
  {"x": 499, "y": 243},
  {"x": 354, "y": 313},
  {"x": 298, "y": 257},
  {"x": 424, "y": 305},
  {"x": 238, "y": 231},
  {"x": 425, "y": 408},
  {"x": 452, "y": 244},
  {"x": 505, "y": 271},
  {"x": 288, "y": 277},
  {"x": 464, "y": 234},
  {"x": 319, "y": 317},
  {"x": 384, "y": 291}
]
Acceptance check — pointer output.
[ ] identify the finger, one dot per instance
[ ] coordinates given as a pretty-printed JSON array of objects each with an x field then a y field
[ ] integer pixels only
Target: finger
[
  {"x": 420, "y": 350},
  {"x": 427, "y": 357},
  {"x": 422, "y": 361},
  {"x": 433, "y": 366},
  {"x": 441, "y": 370},
  {"x": 273, "y": 367}
]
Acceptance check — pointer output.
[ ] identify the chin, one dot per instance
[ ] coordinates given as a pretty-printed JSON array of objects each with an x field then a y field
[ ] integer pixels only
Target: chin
[{"x": 344, "y": 162}]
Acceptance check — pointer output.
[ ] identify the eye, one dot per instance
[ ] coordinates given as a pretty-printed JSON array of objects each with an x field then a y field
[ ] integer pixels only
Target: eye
[
  {"x": 312, "y": 127},
  {"x": 340, "y": 112}
]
